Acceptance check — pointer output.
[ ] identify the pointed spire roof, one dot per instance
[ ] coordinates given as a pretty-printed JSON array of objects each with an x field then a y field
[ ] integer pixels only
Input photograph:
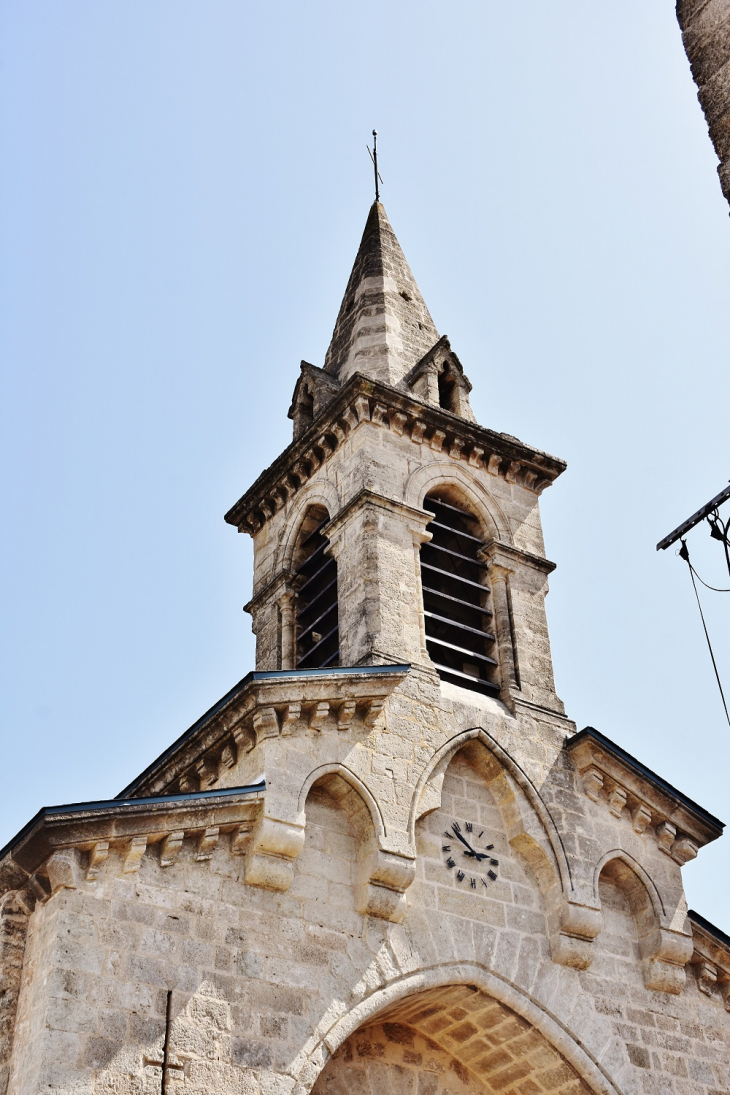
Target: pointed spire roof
[{"x": 384, "y": 326}]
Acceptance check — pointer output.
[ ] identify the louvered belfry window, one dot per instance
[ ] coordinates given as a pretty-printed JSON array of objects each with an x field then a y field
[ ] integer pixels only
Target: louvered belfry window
[
  {"x": 456, "y": 599},
  {"x": 317, "y": 628}
]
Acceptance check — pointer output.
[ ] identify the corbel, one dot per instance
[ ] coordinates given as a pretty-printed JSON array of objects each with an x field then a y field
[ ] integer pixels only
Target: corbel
[
  {"x": 345, "y": 714},
  {"x": 265, "y": 724},
  {"x": 378, "y": 416},
  {"x": 170, "y": 848},
  {"x": 571, "y": 941},
  {"x": 397, "y": 422},
  {"x": 494, "y": 462},
  {"x": 373, "y": 710},
  {"x": 207, "y": 842},
  {"x": 229, "y": 754},
  {"x": 706, "y": 977},
  {"x": 39, "y": 887},
  {"x": 188, "y": 782},
  {"x": 273, "y": 845},
  {"x": 63, "y": 870},
  {"x": 617, "y": 801},
  {"x": 292, "y": 712},
  {"x": 436, "y": 440},
  {"x": 133, "y": 854},
  {"x": 664, "y": 955},
  {"x": 97, "y": 856},
  {"x": 683, "y": 850},
  {"x": 665, "y": 834},
  {"x": 207, "y": 770},
  {"x": 592, "y": 781},
  {"x": 417, "y": 431},
  {"x": 475, "y": 456},
  {"x": 455, "y": 449},
  {"x": 240, "y": 838},
  {"x": 338, "y": 432},
  {"x": 725, "y": 990},
  {"x": 640, "y": 818},
  {"x": 513, "y": 471},
  {"x": 318, "y": 715},
  {"x": 362, "y": 408},
  {"x": 384, "y": 878},
  {"x": 350, "y": 418},
  {"x": 529, "y": 479}
]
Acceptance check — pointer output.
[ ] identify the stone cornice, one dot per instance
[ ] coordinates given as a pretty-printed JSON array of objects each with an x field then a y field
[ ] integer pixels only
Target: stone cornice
[
  {"x": 85, "y": 826},
  {"x": 711, "y": 944},
  {"x": 362, "y": 400},
  {"x": 628, "y": 788},
  {"x": 510, "y": 557},
  {"x": 264, "y": 705}
]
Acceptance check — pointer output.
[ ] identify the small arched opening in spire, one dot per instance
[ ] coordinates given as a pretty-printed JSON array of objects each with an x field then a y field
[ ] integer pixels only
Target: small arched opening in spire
[
  {"x": 448, "y": 392},
  {"x": 456, "y": 597},
  {"x": 317, "y": 622}
]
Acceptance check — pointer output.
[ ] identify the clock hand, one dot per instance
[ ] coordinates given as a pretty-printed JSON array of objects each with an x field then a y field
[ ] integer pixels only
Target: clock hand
[{"x": 466, "y": 843}]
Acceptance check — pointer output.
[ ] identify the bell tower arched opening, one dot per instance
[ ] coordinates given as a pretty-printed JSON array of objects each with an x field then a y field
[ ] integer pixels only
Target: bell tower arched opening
[
  {"x": 456, "y": 598},
  {"x": 317, "y": 618}
]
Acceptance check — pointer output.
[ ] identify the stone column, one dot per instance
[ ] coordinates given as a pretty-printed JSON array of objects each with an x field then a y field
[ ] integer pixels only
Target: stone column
[
  {"x": 286, "y": 603},
  {"x": 378, "y": 591},
  {"x": 499, "y": 584}
]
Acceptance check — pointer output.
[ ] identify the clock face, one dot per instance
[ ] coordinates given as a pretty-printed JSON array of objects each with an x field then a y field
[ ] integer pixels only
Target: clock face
[{"x": 468, "y": 856}]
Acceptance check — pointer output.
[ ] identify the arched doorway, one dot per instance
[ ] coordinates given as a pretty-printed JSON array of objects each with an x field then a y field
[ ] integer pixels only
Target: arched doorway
[{"x": 456, "y": 1039}]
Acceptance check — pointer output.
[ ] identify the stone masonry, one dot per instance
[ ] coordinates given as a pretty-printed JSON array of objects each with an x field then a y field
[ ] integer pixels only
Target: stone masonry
[
  {"x": 705, "y": 28},
  {"x": 360, "y": 877}
]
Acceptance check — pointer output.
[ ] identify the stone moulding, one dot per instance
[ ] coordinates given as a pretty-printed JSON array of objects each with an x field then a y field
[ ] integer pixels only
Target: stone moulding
[
  {"x": 267, "y": 705},
  {"x": 628, "y": 789},
  {"x": 64, "y": 845},
  {"x": 363, "y": 400}
]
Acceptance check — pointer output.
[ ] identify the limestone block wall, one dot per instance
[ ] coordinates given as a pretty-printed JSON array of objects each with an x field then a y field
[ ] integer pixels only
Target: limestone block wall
[
  {"x": 274, "y": 991},
  {"x": 373, "y": 489},
  {"x": 706, "y": 35}
]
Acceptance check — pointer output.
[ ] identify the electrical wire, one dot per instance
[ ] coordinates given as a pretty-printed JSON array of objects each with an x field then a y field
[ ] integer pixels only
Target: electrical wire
[{"x": 684, "y": 554}]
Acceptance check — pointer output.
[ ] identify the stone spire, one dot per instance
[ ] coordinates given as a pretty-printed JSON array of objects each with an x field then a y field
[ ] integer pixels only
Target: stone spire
[{"x": 384, "y": 326}]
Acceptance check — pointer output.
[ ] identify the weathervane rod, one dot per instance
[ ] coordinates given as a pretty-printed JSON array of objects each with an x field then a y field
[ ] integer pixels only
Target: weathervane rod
[{"x": 374, "y": 158}]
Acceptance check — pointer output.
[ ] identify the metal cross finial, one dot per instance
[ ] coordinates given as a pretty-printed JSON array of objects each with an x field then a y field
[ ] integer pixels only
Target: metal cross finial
[{"x": 374, "y": 158}]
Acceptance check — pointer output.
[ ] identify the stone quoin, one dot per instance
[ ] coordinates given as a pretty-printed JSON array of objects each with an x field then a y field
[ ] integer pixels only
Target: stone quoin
[{"x": 385, "y": 861}]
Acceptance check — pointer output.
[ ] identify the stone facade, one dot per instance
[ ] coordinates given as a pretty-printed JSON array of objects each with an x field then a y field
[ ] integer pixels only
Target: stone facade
[
  {"x": 706, "y": 34},
  {"x": 362, "y": 878}
]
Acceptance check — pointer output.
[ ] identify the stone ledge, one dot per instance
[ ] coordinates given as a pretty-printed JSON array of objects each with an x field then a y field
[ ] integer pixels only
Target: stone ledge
[
  {"x": 628, "y": 788},
  {"x": 94, "y": 827}
]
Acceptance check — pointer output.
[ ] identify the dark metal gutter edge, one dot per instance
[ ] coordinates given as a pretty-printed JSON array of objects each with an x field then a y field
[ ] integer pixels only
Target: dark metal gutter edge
[
  {"x": 114, "y": 804},
  {"x": 280, "y": 674},
  {"x": 621, "y": 754},
  {"x": 709, "y": 928}
]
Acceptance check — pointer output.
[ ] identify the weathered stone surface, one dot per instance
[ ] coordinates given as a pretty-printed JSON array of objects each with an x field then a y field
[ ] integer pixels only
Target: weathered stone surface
[
  {"x": 362, "y": 878},
  {"x": 706, "y": 35}
]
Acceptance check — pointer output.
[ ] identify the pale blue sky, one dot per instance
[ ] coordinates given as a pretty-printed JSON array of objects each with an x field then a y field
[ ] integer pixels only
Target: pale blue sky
[{"x": 183, "y": 190}]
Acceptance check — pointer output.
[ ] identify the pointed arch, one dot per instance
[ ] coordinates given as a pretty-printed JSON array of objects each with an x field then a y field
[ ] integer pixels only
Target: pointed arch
[
  {"x": 485, "y": 507},
  {"x": 619, "y": 856},
  {"x": 550, "y": 864},
  {"x": 348, "y": 776},
  {"x": 431, "y": 986}
]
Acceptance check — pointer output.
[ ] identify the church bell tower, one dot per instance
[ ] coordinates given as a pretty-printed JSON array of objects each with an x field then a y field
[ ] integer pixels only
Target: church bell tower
[
  {"x": 384, "y": 860},
  {"x": 395, "y": 529}
]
